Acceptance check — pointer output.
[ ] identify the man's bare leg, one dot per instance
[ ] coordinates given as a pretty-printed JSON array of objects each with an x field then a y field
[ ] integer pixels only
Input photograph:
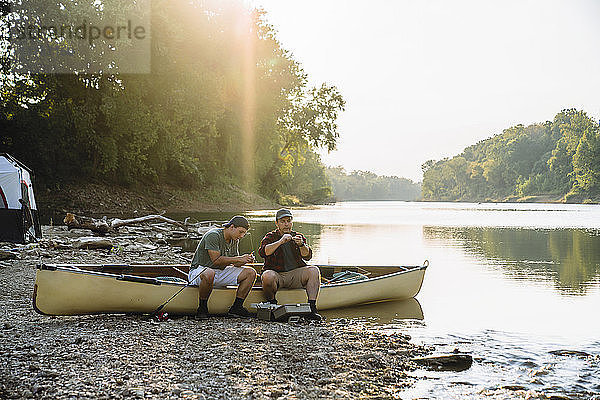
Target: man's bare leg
[
  {"x": 269, "y": 284},
  {"x": 205, "y": 287},
  {"x": 311, "y": 280},
  {"x": 245, "y": 281}
]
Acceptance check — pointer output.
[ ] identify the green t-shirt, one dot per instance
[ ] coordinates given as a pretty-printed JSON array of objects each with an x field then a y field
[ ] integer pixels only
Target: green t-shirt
[{"x": 214, "y": 240}]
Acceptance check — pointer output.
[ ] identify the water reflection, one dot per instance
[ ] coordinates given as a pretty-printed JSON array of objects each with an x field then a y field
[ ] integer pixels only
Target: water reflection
[
  {"x": 569, "y": 257},
  {"x": 381, "y": 313}
]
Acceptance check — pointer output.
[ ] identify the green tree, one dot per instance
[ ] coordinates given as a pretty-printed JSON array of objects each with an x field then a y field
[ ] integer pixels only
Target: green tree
[
  {"x": 309, "y": 122},
  {"x": 556, "y": 157},
  {"x": 586, "y": 162},
  {"x": 365, "y": 185},
  {"x": 224, "y": 103}
]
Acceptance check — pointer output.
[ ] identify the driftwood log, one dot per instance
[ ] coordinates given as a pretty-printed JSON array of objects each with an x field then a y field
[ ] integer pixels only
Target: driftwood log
[
  {"x": 91, "y": 243},
  {"x": 104, "y": 226},
  {"x": 79, "y": 222}
]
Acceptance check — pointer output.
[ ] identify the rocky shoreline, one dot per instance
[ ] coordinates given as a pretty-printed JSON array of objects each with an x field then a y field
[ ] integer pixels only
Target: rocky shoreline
[{"x": 119, "y": 356}]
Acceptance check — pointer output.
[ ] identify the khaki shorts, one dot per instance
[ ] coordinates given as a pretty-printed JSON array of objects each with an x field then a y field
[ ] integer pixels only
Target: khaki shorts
[{"x": 290, "y": 279}]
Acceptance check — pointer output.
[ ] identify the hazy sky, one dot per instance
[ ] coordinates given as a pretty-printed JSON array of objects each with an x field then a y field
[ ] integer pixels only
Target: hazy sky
[{"x": 423, "y": 79}]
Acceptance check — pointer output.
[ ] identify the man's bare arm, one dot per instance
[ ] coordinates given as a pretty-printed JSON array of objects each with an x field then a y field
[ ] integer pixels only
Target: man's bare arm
[
  {"x": 270, "y": 248},
  {"x": 304, "y": 251}
]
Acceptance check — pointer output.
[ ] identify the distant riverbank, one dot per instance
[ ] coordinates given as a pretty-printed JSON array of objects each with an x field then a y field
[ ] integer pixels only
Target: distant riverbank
[
  {"x": 539, "y": 198},
  {"x": 97, "y": 199}
]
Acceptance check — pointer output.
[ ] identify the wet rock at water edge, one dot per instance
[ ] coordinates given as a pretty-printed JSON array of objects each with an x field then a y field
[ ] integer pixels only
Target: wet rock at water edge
[
  {"x": 513, "y": 387},
  {"x": 453, "y": 362},
  {"x": 568, "y": 353}
]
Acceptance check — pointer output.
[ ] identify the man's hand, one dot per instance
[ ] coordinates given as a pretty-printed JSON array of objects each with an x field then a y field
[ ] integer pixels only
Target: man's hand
[
  {"x": 298, "y": 240},
  {"x": 286, "y": 238},
  {"x": 270, "y": 248},
  {"x": 245, "y": 259}
]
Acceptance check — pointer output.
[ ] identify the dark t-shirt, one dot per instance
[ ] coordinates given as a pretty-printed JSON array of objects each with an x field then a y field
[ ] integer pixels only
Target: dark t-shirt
[
  {"x": 290, "y": 262},
  {"x": 276, "y": 261}
]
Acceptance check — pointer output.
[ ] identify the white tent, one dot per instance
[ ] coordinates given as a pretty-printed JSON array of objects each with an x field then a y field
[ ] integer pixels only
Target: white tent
[{"x": 18, "y": 210}]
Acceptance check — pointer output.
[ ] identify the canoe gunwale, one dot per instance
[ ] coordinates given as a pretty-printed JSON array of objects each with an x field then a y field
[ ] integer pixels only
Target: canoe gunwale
[{"x": 158, "y": 282}]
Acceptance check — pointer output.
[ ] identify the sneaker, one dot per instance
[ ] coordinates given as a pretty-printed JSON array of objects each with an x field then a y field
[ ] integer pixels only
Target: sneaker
[
  {"x": 313, "y": 316},
  {"x": 239, "y": 312}
]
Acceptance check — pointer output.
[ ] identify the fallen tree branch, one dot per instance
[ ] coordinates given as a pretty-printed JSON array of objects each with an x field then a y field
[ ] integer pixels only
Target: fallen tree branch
[
  {"x": 117, "y": 223},
  {"x": 103, "y": 226}
]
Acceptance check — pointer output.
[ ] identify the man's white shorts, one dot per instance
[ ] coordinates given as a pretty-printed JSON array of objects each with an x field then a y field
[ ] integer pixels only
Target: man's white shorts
[{"x": 223, "y": 277}]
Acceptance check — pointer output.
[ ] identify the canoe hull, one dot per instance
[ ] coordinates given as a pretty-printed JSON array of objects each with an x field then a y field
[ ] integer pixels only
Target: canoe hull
[{"x": 65, "y": 291}]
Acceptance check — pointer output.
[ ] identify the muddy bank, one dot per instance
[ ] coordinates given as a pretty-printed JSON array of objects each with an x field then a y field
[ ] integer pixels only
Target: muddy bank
[
  {"x": 96, "y": 199},
  {"x": 117, "y": 356}
]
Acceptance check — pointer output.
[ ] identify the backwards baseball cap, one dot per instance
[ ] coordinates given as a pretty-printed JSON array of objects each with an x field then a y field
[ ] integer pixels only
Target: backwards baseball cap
[
  {"x": 238, "y": 221},
  {"x": 284, "y": 212}
]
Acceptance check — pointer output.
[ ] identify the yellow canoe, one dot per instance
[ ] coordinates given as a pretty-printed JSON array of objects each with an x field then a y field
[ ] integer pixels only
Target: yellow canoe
[{"x": 75, "y": 289}]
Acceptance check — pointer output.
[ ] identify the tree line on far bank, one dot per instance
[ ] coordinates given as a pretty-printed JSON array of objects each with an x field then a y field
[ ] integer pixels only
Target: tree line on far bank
[
  {"x": 365, "y": 185},
  {"x": 224, "y": 103},
  {"x": 558, "y": 158}
]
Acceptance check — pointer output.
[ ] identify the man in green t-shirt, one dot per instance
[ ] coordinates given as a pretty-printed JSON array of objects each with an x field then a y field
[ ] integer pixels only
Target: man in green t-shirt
[{"x": 217, "y": 263}]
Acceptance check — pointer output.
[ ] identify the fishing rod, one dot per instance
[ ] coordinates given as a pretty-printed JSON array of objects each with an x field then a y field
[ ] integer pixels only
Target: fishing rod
[{"x": 159, "y": 308}]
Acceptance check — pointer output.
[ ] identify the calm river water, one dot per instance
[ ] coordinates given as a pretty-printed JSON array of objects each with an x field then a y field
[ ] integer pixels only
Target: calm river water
[{"x": 508, "y": 283}]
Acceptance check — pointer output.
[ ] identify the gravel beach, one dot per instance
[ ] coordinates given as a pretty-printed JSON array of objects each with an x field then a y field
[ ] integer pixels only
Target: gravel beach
[{"x": 120, "y": 356}]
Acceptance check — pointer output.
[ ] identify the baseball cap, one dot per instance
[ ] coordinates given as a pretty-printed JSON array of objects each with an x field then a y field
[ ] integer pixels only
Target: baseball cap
[
  {"x": 284, "y": 212},
  {"x": 237, "y": 221}
]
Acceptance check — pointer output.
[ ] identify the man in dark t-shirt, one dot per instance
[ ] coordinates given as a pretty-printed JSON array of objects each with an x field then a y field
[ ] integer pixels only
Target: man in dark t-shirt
[{"x": 286, "y": 252}]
